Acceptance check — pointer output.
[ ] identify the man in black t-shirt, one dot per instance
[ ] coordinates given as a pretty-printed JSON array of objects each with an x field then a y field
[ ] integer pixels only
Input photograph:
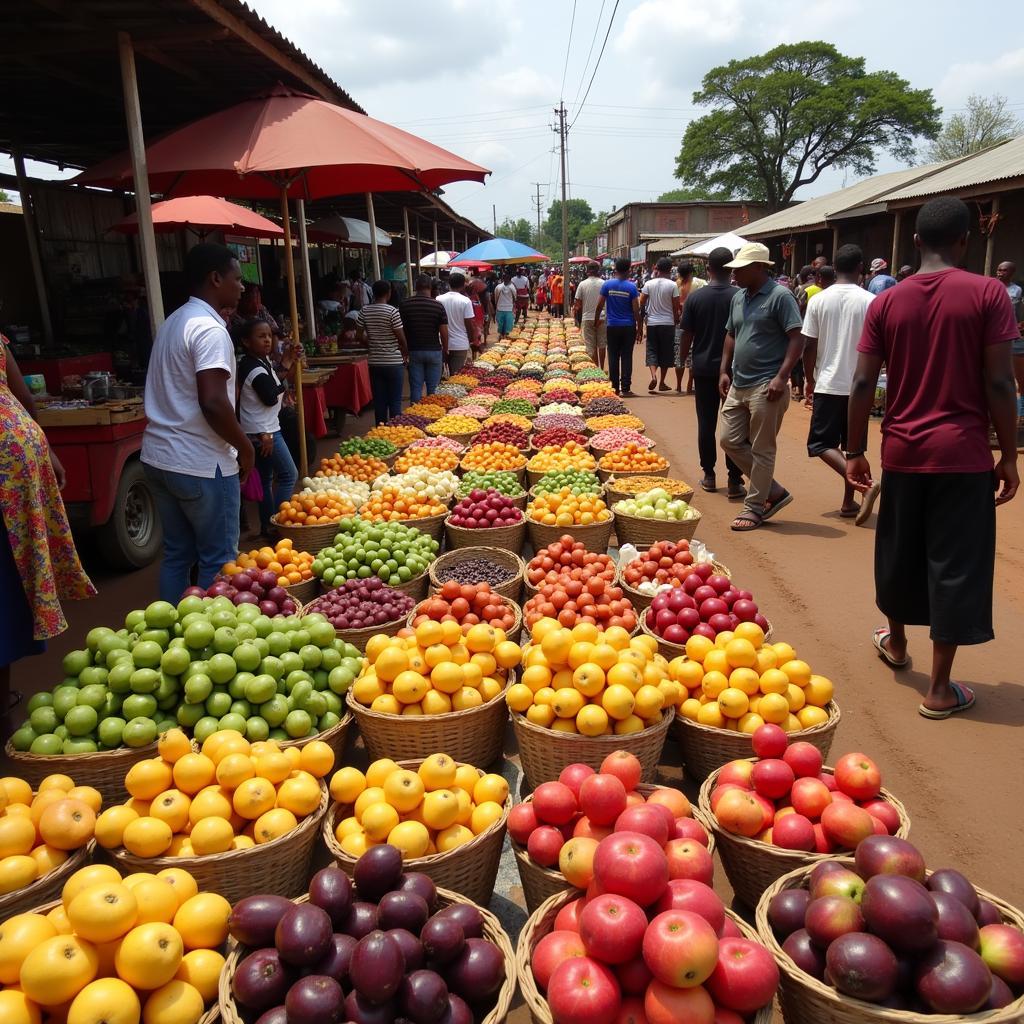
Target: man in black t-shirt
[
  {"x": 425, "y": 323},
  {"x": 703, "y": 336}
]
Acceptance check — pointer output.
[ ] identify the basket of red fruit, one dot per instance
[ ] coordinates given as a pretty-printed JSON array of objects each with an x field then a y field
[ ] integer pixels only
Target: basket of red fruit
[
  {"x": 467, "y": 604},
  {"x": 877, "y": 938},
  {"x": 664, "y": 563},
  {"x": 359, "y": 609},
  {"x": 783, "y": 810},
  {"x": 564, "y": 560},
  {"x": 486, "y": 518}
]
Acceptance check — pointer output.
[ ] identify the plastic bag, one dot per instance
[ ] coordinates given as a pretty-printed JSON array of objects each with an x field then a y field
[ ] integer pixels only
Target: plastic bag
[
  {"x": 627, "y": 553},
  {"x": 252, "y": 489}
]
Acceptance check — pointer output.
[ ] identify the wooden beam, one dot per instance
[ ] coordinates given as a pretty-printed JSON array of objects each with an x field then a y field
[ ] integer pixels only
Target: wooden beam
[
  {"x": 65, "y": 75},
  {"x": 374, "y": 251},
  {"x": 990, "y": 238},
  {"x": 408, "y": 257},
  {"x": 32, "y": 237},
  {"x": 157, "y": 56},
  {"x": 30, "y": 44},
  {"x": 894, "y": 261}
]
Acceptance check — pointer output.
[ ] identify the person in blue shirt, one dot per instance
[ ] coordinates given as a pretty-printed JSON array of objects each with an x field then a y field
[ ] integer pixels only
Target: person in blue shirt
[
  {"x": 625, "y": 326},
  {"x": 880, "y": 279}
]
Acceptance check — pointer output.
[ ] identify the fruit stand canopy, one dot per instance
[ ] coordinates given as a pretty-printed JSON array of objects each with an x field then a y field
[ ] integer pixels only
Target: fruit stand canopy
[{"x": 203, "y": 214}]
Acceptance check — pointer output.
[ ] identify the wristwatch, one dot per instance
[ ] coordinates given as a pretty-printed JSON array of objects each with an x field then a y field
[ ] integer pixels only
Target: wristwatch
[{"x": 854, "y": 455}]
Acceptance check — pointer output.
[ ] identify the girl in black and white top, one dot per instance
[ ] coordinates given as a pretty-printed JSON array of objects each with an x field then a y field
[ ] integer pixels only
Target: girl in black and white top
[{"x": 260, "y": 394}]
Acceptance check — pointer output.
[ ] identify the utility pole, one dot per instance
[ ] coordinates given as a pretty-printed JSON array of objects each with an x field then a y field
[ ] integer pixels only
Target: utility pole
[
  {"x": 494, "y": 218},
  {"x": 536, "y": 202},
  {"x": 562, "y": 132}
]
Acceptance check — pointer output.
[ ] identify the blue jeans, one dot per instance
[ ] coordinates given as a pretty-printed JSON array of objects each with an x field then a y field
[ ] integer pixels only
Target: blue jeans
[
  {"x": 386, "y": 384},
  {"x": 424, "y": 366},
  {"x": 200, "y": 520},
  {"x": 279, "y": 468}
]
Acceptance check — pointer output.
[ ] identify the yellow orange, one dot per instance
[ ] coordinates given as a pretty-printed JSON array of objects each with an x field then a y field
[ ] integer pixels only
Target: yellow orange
[
  {"x": 17, "y": 836},
  {"x": 177, "y": 1002},
  {"x": 171, "y": 806},
  {"x": 147, "y": 837},
  {"x": 273, "y": 825},
  {"x": 252, "y": 798},
  {"x": 19, "y": 935},
  {"x": 145, "y": 779},
  {"x": 103, "y": 913},
  {"x": 300, "y": 794},
  {"x": 156, "y": 900},
  {"x": 56, "y": 970},
  {"x": 57, "y": 780},
  {"x": 317, "y": 758},
  {"x": 194, "y": 771},
  {"x": 211, "y": 835},
  {"x": 173, "y": 745},
  {"x": 202, "y": 921},
  {"x": 346, "y": 784},
  {"x": 411, "y": 837},
  {"x": 83, "y": 878},
  {"x": 183, "y": 884},
  {"x": 149, "y": 955},
  {"x": 201, "y": 969},
  {"x": 17, "y": 1008},
  {"x": 88, "y": 795}
]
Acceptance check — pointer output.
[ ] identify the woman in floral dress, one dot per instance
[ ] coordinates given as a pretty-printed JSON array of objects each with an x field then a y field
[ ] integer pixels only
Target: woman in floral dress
[{"x": 38, "y": 562}]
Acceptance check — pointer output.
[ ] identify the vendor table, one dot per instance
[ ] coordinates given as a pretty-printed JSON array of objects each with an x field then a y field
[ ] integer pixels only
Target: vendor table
[
  {"x": 314, "y": 401},
  {"x": 347, "y": 390}
]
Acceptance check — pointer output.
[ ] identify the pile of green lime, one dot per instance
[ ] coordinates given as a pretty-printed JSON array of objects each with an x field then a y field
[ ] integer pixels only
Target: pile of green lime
[
  {"x": 392, "y": 551},
  {"x": 579, "y": 481},
  {"x": 367, "y": 447},
  {"x": 501, "y": 480}
]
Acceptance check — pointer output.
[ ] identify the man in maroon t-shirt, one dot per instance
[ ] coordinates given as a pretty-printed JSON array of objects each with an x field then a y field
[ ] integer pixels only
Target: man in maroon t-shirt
[{"x": 944, "y": 336}]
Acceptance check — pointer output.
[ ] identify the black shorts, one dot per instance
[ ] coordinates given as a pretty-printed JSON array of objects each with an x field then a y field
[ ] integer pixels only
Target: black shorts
[
  {"x": 828, "y": 424},
  {"x": 935, "y": 547},
  {"x": 661, "y": 346}
]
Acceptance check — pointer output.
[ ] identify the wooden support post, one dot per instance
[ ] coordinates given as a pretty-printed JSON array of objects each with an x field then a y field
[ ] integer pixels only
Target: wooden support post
[
  {"x": 293, "y": 307},
  {"x": 894, "y": 261},
  {"x": 419, "y": 244},
  {"x": 835, "y": 244},
  {"x": 990, "y": 238},
  {"x": 453, "y": 241},
  {"x": 408, "y": 249},
  {"x": 32, "y": 238},
  {"x": 374, "y": 253},
  {"x": 436, "y": 257},
  {"x": 307, "y": 277}
]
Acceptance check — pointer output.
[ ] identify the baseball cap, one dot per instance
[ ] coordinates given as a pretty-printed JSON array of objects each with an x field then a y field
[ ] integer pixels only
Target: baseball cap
[{"x": 877, "y": 265}]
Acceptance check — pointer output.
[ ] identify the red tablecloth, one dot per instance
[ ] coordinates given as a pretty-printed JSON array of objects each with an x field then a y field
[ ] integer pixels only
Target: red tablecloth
[
  {"x": 349, "y": 388},
  {"x": 314, "y": 408}
]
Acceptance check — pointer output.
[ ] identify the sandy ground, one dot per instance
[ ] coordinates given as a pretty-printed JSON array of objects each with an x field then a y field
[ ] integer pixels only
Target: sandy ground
[{"x": 811, "y": 572}]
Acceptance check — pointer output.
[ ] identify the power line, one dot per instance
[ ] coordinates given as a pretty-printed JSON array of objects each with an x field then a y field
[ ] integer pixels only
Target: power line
[
  {"x": 608, "y": 32},
  {"x": 568, "y": 47},
  {"x": 590, "y": 52}
]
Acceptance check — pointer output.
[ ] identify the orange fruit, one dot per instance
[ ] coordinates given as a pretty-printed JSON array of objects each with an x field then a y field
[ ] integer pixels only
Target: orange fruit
[
  {"x": 437, "y": 772},
  {"x": 17, "y": 836},
  {"x": 171, "y": 806},
  {"x": 156, "y": 900},
  {"x": 88, "y": 795},
  {"x": 19, "y": 935},
  {"x": 149, "y": 955},
  {"x": 56, "y": 970},
  {"x": 47, "y": 858},
  {"x": 194, "y": 771},
  {"x": 183, "y": 884},
  {"x": 299, "y": 794},
  {"x": 17, "y": 1008},
  {"x": 490, "y": 789},
  {"x": 252, "y": 798},
  {"x": 147, "y": 837},
  {"x": 146, "y": 779},
  {"x": 211, "y": 835},
  {"x": 485, "y": 815},
  {"x": 57, "y": 781},
  {"x": 173, "y": 745},
  {"x": 234, "y": 769},
  {"x": 411, "y": 837},
  {"x": 83, "y": 878},
  {"x": 273, "y": 825},
  {"x": 105, "y": 1001},
  {"x": 103, "y": 913},
  {"x": 273, "y": 765},
  {"x": 317, "y": 758},
  {"x": 202, "y": 921},
  {"x": 201, "y": 969},
  {"x": 212, "y": 802}
]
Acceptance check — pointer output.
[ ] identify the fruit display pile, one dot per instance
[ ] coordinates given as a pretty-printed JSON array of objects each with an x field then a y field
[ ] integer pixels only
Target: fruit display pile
[
  {"x": 466, "y": 604},
  {"x": 656, "y": 504},
  {"x": 481, "y": 510},
  {"x": 361, "y": 604},
  {"x": 393, "y": 552}
]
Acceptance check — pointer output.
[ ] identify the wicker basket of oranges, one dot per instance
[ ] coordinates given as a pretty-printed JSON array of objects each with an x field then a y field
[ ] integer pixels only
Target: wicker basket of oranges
[
  {"x": 397, "y": 505},
  {"x": 310, "y": 521},
  {"x": 553, "y": 514},
  {"x": 294, "y": 568}
]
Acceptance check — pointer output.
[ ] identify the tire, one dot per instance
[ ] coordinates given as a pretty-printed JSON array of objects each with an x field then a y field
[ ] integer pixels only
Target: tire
[{"x": 132, "y": 536}]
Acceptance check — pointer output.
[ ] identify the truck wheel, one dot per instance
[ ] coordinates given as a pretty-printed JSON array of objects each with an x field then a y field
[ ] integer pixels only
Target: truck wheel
[{"x": 132, "y": 537}]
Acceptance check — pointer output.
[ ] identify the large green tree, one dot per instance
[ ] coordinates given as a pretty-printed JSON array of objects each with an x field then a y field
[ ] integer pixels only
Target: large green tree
[
  {"x": 780, "y": 119},
  {"x": 689, "y": 195},
  {"x": 518, "y": 230},
  {"x": 579, "y": 216},
  {"x": 984, "y": 122}
]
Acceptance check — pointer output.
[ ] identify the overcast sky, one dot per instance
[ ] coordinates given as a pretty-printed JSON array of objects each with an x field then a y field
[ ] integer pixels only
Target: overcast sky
[{"x": 483, "y": 80}]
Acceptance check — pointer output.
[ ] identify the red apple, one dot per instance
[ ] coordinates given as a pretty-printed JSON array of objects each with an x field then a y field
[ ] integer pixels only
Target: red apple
[
  {"x": 572, "y": 775},
  {"x": 822, "y": 843},
  {"x": 664, "y": 1004},
  {"x": 828, "y": 917},
  {"x": 838, "y": 796},
  {"x": 634, "y": 977},
  {"x": 649, "y": 820},
  {"x": 664, "y": 810},
  {"x": 554, "y": 802},
  {"x": 582, "y": 991},
  {"x": 633, "y": 865},
  {"x": 830, "y": 878},
  {"x": 688, "y": 858},
  {"x": 586, "y": 829},
  {"x": 847, "y": 824},
  {"x": 738, "y": 773},
  {"x": 680, "y": 948},
  {"x": 804, "y": 758},
  {"x": 769, "y": 741},
  {"x": 767, "y": 809},
  {"x": 885, "y": 813},
  {"x": 772, "y": 778},
  {"x": 718, "y": 791},
  {"x": 731, "y": 930},
  {"x": 745, "y": 977},
  {"x": 522, "y": 820},
  {"x": 625, "y": 767},
  {"x": 724, "y": 1016},
  {"x": 697, "y": 897},
  {"x": 858, "y": 776},
  {"x": 689, "y": 828},
  {"x": 631, "y": 1011},
  {"x": 568, "y": 918},
  {"x": 793, "y": 832},
  {"x": 544, "y": 846},
  {"x": 1002, "y": 948},
  {"x": 555, "y": 947},
  {"x": 673, "y": 799},
  {"x": 612, "y": 929},
  {"x": 829, "y": 781},
  {"x": 809, "y": 797},
  {"x": 602, "y": 798}
]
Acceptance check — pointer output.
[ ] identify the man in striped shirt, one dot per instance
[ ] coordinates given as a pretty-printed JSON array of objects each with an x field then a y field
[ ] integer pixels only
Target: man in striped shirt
[{"x": 380, "y": 326}]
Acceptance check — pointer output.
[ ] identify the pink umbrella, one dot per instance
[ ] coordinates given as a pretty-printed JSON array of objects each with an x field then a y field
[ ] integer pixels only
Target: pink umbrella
[
  {"x": 203, "y": 214},
  {"x": 581, "y": 259},
  {"x": 470, "y": 265}
]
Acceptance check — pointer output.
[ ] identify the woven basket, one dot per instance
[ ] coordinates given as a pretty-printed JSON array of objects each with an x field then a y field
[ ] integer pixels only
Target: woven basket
[
  {"x": 47, "y": 888},
  {"x": 359, "y": 638},
  {"x": 510, "y": 538},
  {"x": 416, "y": 588},
  {"x": 540, "y": 883},
  {"x": 104, "y": 770},
  {"x": 804, "y": 999},
  {"x": 542, "y": 921},
  {"x": 493, "y": 932},
  {"x": 605, "y": 475},
  {"x": 595, "y": 536},
  {"x": 473, "y": 737},
  {"x": 281, "y": 866},
  {"x": 464, "y": 439},
  {"x": 644, "y": 532},
  {"x": 307, "y": 538},
  {"x": 335, "y": 738},
  {"x": 706, "y": 748},
  {"x": 512, "y": 633},
  {"x": 469, "y": 870},
  {"x": 615, "y": 494},
  {"x": 304, "y": 592},
  {"x": 512, "y": 589},
  {"x": 641, "y": 602},
  {"x": 669, "y": 650},
  {"x": 432, "y": 526},
  {"x": 751, "y": 866},
  {"x": 544, "y": 753}
]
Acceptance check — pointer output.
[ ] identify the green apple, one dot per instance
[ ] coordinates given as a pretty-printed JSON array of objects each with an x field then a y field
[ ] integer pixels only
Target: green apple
[
  {"x": 241, "y": 707},
  {"x": 298, "y": 639},
  {"x": 156, "y": 636},
  {"x": 275, "y": 710},
  {"x": 221, "y": 668},
  {"x": 272, "y": 666},
  {"x": 333, "y": 701},
  {"x": 263, "y": 625},
  {"x": 197, "y": 688},
  {"x": 259, "y": 689},
  {"x": 291, "y": 662},
  {"x": 315, "y": 704},
  {"x": 225, "y": 640},
  {"x": 167, "y": 688},
  {"x": 256, "y": 729},
  {"x": 119, "y": 678},
  {"x": 278, "y": 642},
  {"x": 64, "y": 699},
  {"x": 135, "y": 618},
  {"x": 111, "y": 706},
  {"x": 236, "y": 688},
  {"x": 23, "y": 738},
  {"x": 218, "y": 704},
  {"x": 81, "y": 721},
  {"x": 94, "y": 675},
  {"x": 261, "y": 645},
  {"x": 79, "y": 745},
  {"x": 43, "y": 720},
  {"x": 139, "y": 731},
  {"x": 197, "y": 668},
  {"x": 75, "y": 661},
  {"x": 331, "y": 659},
  {"x": 233, "y": 721},
  {"x": 139, "y": 705},
  {"x": 111, "y": 731},
  {"x": 47, "y": 743},
  {"x": 321, "y": 633},
  {"x": 245, "y": 630},
  {"x": 144, "y": 680},
  {"x": 297, "y": 724},
  {"x": 39, "y": 700},
  {"x": 300, "y": 686},
  {"x": 93, "y": 696},
  {"x": 199, "y": 633},
  {"x": 247, "y": 613},
  {"x": 328, "y": 721},
  {"x": 204, "y": 728},
  {"x": 340, "y": 679},
  {"x": 95, "y": 635},
  {"x": 188, "y": 605},
  {"x": 61, "y": 732},
  {"x": 311, "y": 656},
  {"x": 223, "y": 618},
  {"x": 118, "y": 656},
  {"x": 175, "y": 660},
  {"x": 188, "y": 714},
  {"x": 247, "y": 657},
  {"x": 161, "y": 615},
  {"x": 320, "y": 677}
]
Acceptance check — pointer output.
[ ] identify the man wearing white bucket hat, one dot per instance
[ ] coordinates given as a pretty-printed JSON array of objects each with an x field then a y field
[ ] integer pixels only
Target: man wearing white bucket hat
[{"x": 762, "y": 345}]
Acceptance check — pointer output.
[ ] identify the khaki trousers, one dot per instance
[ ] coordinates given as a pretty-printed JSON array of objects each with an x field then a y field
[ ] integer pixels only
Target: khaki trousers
[{"x": 748, "y": 427}]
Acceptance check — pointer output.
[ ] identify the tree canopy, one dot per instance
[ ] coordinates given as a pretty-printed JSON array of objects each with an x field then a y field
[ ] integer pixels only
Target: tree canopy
[
  {"x": 985, "y": 122},
  {"x": 689, "y": 195},
  {"x": 518, "y": 230},
  {"x": 580, "y": 216},
  {"x": 782, "y": 118}
]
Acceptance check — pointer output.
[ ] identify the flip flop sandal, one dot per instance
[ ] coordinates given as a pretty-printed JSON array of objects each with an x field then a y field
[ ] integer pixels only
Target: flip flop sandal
[
  {"x": 878, "y": 638},
  {"x": 752, "y": 518},
  {"x": 965, "y": 700},
  {"x": 849, "y": 513},
  {"x": 771, "y": 508},
  {"x": 867, "y": 503}
]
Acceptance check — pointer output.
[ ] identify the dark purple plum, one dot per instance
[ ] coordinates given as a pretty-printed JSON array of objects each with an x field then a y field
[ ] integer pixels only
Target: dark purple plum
[
  {"x": 303, "y": 935},
  {"x": 360, "y": 1010},
  {"x": 331, "y": 890},
  {"x": 953, "y": 979},
  {"x": 315, "y": 999},
  {"x": 422, "y": 885},
  {"x": 951, "y": 881},
  {"x": 402, "y": 910},
  {"x": 261, "y": 980},
  {"x": 999, "y": 996},
  {"x": 477, "y": 972},
  {"x": 254, "y": 919},
  {"x": 457, "y": 1012},
  {"x": 377, "y": 967},
  {"x": 468, "y": 916},
  {"x": 805, "y": 954},
  {"x": 956, "y": 922},
  {"x": 423, "y": 997},
  {"x": 888, "y": 855},
  {"x": 988, "y": 913},
  {"x": 361, "y": 920},
  {"x": 786, "y": 911},
  {"x": 377, "y": 871},
  {"x": 443, "y": 939},
  {"x": 901, "y": 912},
  {"x": 862, "y": 966},
  {"x": 338, "y": 957},
  {"x": 411, "y": 947},
  {"x": 278, "y": 1015}
]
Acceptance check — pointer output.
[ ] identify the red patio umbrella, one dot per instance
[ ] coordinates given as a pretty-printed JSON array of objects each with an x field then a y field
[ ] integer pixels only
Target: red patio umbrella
[
  {"x": 581, "y": 259},
  {"x": 285, "y": 143},
  {"x": 203, "y": 214},
  {"x": 484, "y": 268}
]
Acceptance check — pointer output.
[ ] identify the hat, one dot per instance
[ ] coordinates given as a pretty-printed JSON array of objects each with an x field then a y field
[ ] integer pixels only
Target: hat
[
  {"x": 752, "y": 252},
  {"x": 877, "y": 265}
]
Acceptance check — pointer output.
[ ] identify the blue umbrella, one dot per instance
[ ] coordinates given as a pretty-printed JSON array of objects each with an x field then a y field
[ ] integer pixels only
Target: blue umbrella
[{"x": 501, "y": 250}]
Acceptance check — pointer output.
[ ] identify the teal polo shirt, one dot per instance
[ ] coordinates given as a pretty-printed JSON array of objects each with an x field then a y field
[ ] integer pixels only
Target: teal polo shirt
[{"x": 760, "y": 324}]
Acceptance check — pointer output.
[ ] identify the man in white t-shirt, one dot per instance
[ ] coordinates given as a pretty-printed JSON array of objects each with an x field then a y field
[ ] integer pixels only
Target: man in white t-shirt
[
  {"x": 194, "y": 448},
  {"x": 832, "y": 328},
  {"x": 462, "y": 324},
  {"x": 521, "y": 283},
  {"x": 659, "y": 299},
  {"x": 584, "y": 308}
]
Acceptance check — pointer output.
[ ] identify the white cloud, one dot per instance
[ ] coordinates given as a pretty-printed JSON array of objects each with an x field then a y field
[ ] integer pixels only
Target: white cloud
[
  {"x": 493, "y": 155},
  {"x": 1003, "y": 74}
]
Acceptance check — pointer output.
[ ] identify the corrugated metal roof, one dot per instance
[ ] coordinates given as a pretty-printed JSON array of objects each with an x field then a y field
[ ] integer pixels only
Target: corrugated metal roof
[
  {"x": 996, "y": 164},
  {"x": 819, "y": 209},
  {"x": 669, "y": 243}
]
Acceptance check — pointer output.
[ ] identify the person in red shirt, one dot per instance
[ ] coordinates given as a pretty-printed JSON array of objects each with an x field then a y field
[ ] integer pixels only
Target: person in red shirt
[{"x": 944, "y": 336}]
